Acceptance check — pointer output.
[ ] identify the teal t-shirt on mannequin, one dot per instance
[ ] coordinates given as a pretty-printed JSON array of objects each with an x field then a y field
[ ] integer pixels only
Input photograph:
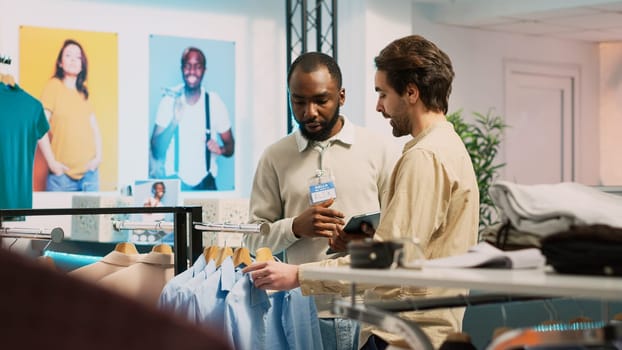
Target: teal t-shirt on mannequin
[{"x": 22, "y": 124}]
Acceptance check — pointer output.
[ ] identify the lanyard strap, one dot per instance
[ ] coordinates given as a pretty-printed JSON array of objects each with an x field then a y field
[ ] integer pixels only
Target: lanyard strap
[{"x": 321, "y": 147}]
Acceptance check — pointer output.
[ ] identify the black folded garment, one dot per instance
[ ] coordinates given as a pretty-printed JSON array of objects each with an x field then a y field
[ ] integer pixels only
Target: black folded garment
[
  {"x": 586, "y": 250},
  {"x": 370, "y": 254}
]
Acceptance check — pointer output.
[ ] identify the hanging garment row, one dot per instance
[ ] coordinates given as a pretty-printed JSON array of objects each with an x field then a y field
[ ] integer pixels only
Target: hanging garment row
[
  {"x": 138, "y": 276},
  {"x": 45, "y": 308},
  {"x": 215, "y": 293}
]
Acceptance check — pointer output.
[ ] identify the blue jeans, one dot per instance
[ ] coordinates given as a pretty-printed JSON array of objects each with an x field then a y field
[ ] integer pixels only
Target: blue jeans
[
  {"x": 339, "y": 333},
  {"x": 88, "y": 183},
  {"x": 207, "y": 184}
]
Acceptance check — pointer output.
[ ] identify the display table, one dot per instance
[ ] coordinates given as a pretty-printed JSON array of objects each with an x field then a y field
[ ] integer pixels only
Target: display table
[{"x": 529, "y": 281}]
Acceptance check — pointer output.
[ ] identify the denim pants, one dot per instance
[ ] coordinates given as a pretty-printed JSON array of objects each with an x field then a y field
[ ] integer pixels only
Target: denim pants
[
  {"x": 207, "y": 184},
  {"x": 339, "y": 334},
  {"x": 88, "y": 183}
]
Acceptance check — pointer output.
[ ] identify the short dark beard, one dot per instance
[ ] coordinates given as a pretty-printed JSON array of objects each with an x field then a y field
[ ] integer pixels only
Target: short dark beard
[{"x": 327, "y": 129}]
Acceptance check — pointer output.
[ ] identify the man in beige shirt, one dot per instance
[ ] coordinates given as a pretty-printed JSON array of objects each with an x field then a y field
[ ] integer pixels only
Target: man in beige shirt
[{"x": 433, "y": 192}]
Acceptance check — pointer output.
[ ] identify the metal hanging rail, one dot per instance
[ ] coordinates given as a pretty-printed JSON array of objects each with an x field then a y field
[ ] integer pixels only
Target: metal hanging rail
[
  {"x": 182, "y": 224},
  {"x": 139, "y": 225},
  {"x": 55, "y": 235},
  {"x": 263, "y": 228}
]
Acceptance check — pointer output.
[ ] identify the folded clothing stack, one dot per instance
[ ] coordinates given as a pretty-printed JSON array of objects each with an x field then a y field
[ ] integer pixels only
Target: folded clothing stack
[
  {"x": 549, "y": 208},
  {"x": 589, "y": 249}
]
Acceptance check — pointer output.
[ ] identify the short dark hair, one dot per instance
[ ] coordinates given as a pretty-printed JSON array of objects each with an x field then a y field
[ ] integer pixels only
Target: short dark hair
[
  {"x": 311, "y": 61},
  {"x": 416, "y": 60},
  {"x": 184, "y": 55},
  {"x": 153, "y": 186}
]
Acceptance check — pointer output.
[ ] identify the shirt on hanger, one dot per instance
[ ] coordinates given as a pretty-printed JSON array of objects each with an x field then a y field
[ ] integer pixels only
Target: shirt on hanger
[
  {"x": 23, "y": 124},
  {"x": 109, "y": 264},
  {"x": 169, "y": 298}
]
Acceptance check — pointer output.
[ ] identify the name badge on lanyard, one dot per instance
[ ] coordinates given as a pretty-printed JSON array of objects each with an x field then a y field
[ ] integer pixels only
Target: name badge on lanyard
[{"x": 322, "y": 187}]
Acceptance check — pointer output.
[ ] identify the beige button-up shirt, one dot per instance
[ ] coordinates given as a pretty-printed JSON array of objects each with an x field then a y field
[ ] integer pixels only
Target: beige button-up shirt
[{"x": 434, "y": 198}]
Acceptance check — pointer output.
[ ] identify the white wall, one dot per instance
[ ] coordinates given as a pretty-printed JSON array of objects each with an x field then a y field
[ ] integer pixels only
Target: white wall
[
  {"x": 365, "y": 27},
  {"x": 478, "y": 59},
  {"x": 611, "y": 113}
]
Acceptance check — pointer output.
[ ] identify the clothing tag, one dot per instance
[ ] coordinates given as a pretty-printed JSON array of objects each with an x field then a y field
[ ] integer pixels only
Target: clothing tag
[{"x": 321, "y": 187}]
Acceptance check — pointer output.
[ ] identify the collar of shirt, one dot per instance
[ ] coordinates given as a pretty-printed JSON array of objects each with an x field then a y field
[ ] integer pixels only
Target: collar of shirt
[
  {"x": 156, "y": 258},
  {"x": 345, "y": 135},
  {"x": 120, "y": 259}
]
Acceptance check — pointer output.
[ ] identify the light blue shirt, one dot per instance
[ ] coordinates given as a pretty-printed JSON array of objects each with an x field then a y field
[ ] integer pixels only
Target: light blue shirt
[
  {"x": 245, "y": 315},
  {"x": 179, "y": 296},
  {"x": 300, "y": 322},
  {"x": 292, "y": 322},
  {"x": 208, "y": 299},
  {"x": 185, "y": 304},
  {"x": 168, "y": 296}
]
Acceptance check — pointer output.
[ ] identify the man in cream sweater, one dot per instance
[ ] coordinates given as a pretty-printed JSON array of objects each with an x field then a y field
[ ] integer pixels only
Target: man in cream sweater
[{"x": 312, "y": 180}]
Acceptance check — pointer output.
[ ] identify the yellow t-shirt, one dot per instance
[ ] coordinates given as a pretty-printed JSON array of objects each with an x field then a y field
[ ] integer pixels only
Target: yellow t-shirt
[{"x": 73, "y": 143}]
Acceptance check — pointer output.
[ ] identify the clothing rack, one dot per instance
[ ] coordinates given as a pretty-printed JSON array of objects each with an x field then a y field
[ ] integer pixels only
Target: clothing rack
[
  {"x": 449, "y": 302},
  {"x": 138, "y": 225},
  {"x": 55, "y": 235},
  {"x": 182, "y": 224},
  {"x": 263, "y": 228},
  {"x": 196, "y": 239},
  {"x": 383, "y": 313},
  {"x": 413, "y": 334}
]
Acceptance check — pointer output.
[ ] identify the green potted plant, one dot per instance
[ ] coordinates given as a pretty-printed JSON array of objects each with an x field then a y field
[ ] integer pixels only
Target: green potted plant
[{"x": 482, "y": 139}]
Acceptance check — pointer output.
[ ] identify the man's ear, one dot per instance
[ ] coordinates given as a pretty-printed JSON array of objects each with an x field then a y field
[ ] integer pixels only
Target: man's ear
[
  {"x": 412, "y": 92},
  {"x": 342, "y": 97}
]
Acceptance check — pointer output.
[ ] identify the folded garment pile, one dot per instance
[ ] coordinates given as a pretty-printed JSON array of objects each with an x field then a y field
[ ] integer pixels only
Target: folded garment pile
[{"x": 550, "y": 208}]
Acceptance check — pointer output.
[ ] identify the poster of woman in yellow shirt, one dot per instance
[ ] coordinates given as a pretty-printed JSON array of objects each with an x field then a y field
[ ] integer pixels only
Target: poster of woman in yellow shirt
[
  {"x": 78, "y": 91},
  {"x": 74, "y": 152}
]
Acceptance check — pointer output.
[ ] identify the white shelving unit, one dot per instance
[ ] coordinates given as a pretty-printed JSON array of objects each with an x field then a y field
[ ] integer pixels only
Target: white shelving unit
[{"x": 530, "y": 281}]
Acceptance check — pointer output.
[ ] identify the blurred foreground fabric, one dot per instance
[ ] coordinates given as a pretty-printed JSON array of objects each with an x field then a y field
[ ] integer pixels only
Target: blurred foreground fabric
[{"x": 43, "y": 308}]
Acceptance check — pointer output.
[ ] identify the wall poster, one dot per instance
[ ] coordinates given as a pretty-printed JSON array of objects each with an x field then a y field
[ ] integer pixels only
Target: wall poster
[
  {"x": 192, "y": 112},
  {"x": 75, "y": 75}
]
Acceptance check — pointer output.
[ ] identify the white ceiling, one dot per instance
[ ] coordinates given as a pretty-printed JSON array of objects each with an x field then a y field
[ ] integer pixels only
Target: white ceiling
[{"x": 586, "y": 20}]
